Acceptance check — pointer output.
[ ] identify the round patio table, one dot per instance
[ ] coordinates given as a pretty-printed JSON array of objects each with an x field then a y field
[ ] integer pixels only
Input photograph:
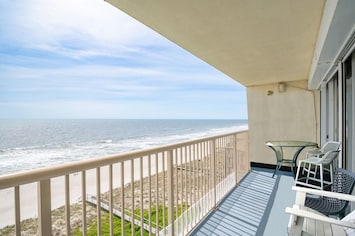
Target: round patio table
[{"x": 279, "y": 146}]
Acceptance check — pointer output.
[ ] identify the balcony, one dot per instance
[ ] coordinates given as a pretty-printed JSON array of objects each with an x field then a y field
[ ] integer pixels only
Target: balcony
[
  {"x": 166, "y": 190},
  {"x": 255, "y": 207}
]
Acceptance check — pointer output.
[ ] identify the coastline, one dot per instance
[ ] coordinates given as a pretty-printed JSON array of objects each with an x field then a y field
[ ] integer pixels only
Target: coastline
[{"x": 28, "y": 192}]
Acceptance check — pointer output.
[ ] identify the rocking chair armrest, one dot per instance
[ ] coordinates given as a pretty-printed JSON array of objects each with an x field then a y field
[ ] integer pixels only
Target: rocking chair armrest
[
  {"x": 296, "y": 211},
  {"x": 342, "y": 196}
]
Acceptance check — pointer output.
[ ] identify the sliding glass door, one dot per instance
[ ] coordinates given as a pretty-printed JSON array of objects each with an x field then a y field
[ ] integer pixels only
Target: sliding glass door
[
  {"x": 330, "y": 111},
  {"x": 348, "y": 103},
  {"x": 338, "y": 112}
]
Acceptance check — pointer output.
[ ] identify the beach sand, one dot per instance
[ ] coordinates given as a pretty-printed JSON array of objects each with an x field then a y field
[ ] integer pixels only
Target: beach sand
[
  {"x": 30, "y": 224},
  {"x": 28, "y": 195},
  {"x": 28, "y": 192}
]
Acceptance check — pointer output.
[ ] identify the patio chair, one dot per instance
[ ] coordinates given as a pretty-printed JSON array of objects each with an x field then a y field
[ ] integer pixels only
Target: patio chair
[
  {"x": 328, "y": 146},
  {"x": 315, "y": 178},
  {"x": 306, "y": 221}
]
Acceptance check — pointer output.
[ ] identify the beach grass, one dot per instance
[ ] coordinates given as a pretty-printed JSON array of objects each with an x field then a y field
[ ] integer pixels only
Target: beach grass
[
  {"x": 105, "y": 227},
  {"x": 117, "y": 224},
  {"x": 30, "y": 226}
]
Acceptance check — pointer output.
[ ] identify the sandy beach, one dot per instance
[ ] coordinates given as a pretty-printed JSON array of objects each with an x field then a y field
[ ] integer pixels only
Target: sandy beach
[
  {"x": 30, "y": 206},
  {"x": 28, "y": 197},
  {"x": 28, "y": 192}
]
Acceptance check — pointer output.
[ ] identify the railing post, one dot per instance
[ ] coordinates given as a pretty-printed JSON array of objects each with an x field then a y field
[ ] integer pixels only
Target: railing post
[
  {"x": 83, "y": 194},
  {"x": 213, "y": 147},
  {"x": 67, "y": 204},
  {"x": 170, "y": 192},
  {"x": 111, "y": 198},
  {"x": 17, "y": 211},
  {"x": 98, "y": 197},
  {"x": 235, "y": 158},
  {"x": 44, "y": 207}
]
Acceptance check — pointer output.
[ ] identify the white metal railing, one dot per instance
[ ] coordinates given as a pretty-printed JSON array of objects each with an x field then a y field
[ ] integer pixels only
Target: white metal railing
[{"x": 166, "y": 189}]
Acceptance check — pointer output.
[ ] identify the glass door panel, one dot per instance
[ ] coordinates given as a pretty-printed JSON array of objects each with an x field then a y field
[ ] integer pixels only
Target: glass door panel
[
  {"x": 349, "y": 132},
  {"x": 330, "y": 111}
]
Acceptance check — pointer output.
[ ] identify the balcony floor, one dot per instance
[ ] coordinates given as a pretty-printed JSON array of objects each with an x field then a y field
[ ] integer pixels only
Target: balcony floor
[{"x": 255, "y": 207}]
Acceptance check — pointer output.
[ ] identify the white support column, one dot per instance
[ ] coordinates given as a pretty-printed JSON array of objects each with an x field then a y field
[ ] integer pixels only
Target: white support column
[{"x": 44, "y": 207}]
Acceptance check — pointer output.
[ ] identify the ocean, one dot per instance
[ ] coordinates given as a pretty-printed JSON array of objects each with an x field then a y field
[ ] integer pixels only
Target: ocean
[{"x": 31, "y": 144}]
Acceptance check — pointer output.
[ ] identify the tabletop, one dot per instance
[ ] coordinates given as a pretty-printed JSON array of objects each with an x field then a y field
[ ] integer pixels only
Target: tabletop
[{"x": 290, "y": 144}]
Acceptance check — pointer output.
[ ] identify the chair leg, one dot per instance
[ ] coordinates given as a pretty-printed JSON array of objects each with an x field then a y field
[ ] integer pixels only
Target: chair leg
[
  {"x": 315, "y": 170},
  {"x": 321, "y": 176},
  {"x": 298, "y": 171},
  {"x": 274, "y": 172},
  {"x": 276, "y": 168},
  {"x": 308, "y": 172},
  {"x": 331, "y": 173}
]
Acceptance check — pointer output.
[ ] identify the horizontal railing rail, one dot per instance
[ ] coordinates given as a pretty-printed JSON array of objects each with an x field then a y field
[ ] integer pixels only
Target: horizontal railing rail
[{"x": 167, "y": 189}]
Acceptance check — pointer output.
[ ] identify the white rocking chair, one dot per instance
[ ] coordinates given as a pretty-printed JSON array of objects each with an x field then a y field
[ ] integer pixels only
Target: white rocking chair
[{"x": 305, "y": 221}]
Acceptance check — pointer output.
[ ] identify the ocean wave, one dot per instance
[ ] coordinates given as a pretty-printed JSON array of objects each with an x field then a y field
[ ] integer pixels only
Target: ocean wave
[
  {"x": 104, "y": 141},
  {"x": 31, "y": 157}
]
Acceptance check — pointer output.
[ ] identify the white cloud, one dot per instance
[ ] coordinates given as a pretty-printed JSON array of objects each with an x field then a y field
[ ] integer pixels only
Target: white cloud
[
  {"x": 73, "y": 25},
  {"x": 93, "y": 61}
]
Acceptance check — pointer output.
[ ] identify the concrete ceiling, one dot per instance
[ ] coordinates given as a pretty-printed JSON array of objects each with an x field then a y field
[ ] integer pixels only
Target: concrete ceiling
[{"x": 252, "y": 41}]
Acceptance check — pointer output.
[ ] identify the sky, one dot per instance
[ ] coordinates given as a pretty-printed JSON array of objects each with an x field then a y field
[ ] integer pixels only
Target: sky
[{"x": 87, "y": 59}]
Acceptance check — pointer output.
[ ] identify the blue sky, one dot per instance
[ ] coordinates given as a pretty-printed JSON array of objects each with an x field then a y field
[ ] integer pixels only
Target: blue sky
[{"x": 87, "y": 59}]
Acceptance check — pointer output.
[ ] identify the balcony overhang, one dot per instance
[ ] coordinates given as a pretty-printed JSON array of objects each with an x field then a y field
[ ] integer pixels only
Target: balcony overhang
[
  {"x": 254, "y": 42},
  {"x": 335, "y": 41}
]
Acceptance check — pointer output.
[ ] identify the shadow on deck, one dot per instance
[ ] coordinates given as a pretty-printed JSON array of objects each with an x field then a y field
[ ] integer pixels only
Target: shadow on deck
[{"x": 255, "y": 207}]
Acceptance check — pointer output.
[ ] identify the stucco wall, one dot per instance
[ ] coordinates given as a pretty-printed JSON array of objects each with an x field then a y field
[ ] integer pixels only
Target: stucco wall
[{"x": 274, "y": 115}]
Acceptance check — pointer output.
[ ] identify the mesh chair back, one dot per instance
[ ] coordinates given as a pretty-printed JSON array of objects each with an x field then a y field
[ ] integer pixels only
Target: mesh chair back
[
  {"x": 329, "y": 157},
  {"x": 330, "y": 146},
  {"x": 343, "y": 183}
]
